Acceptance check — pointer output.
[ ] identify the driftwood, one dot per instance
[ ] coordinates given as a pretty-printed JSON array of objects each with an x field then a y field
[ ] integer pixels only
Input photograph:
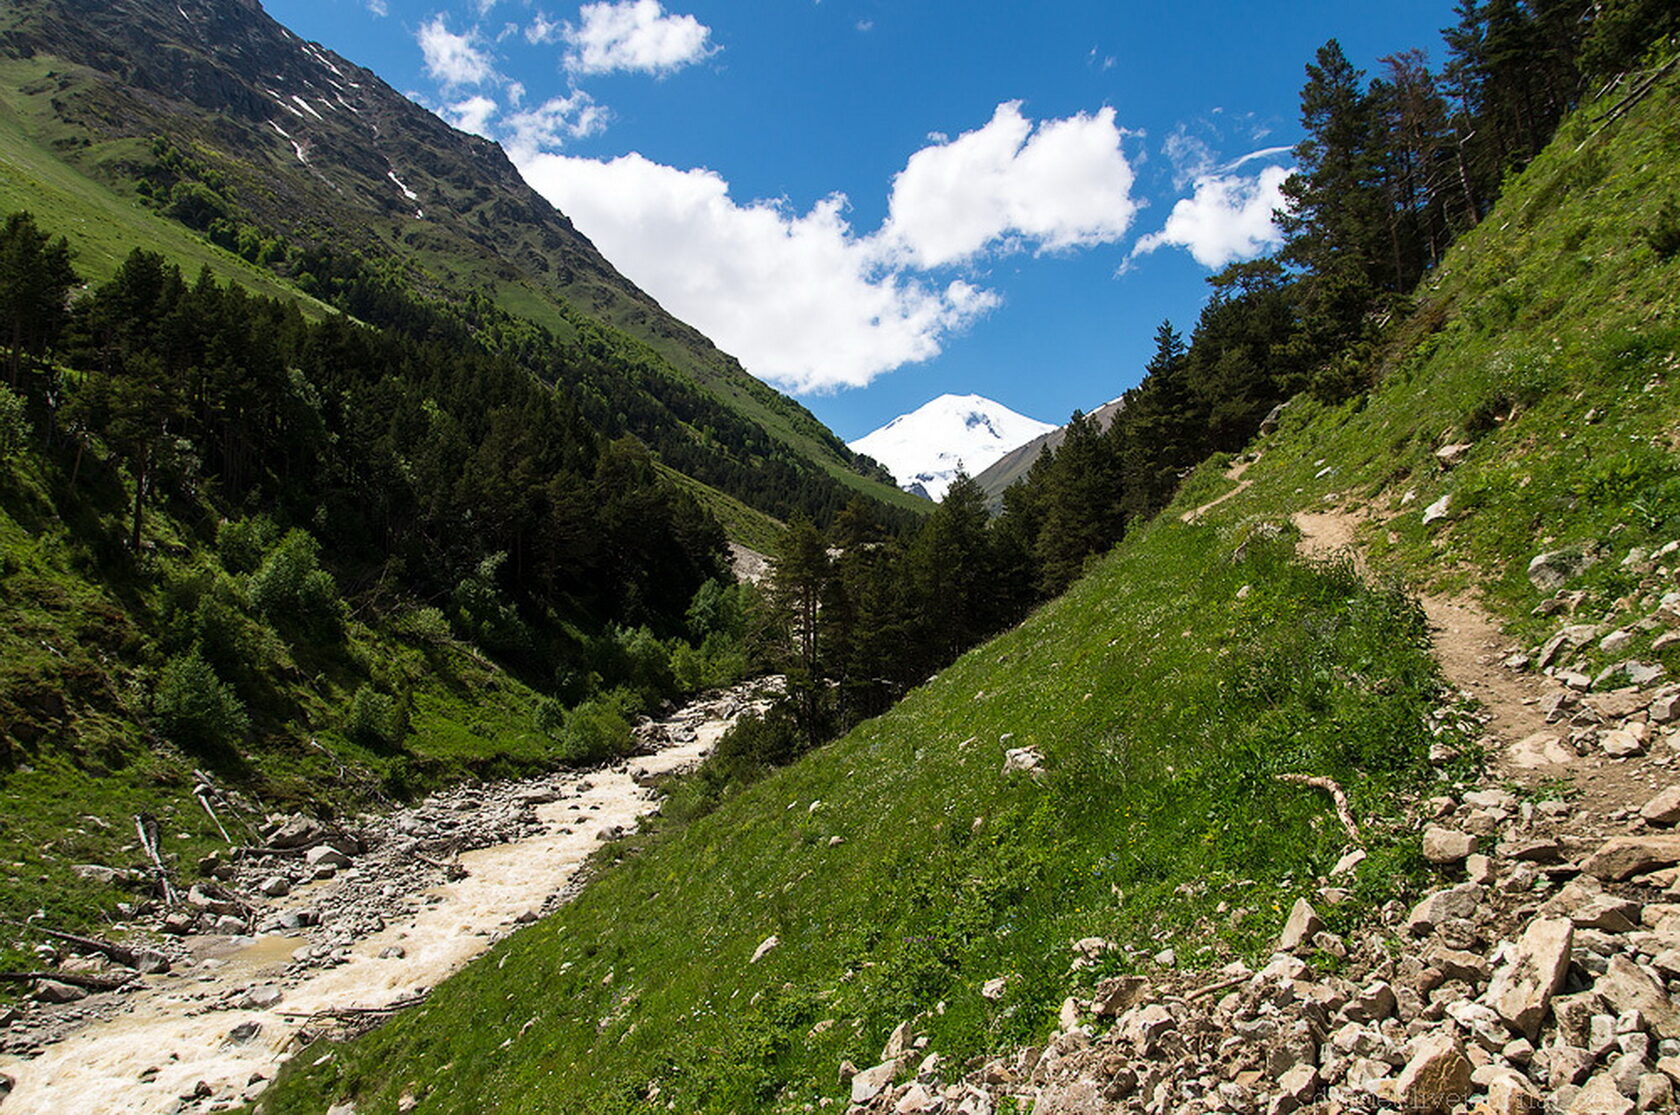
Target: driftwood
[
  {"x": 355, "y": 1012},
  {"x": 76, "y": 979},
  {"x": 1216, "y": 988},
  {"x": 147, "y": 828},
  {"x": 1329, "y": 786},
  {"x": 450, "y": 869},
  {"x": 119, "y": 953}
]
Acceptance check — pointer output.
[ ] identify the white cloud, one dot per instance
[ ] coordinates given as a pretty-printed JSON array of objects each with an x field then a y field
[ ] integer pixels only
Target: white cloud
[
  {"x": 454, "y": 60},
  {"x": 1190, "y": 156},
  {"x": 471, "y": 115},
  {"x": 544, "y": 30},
  {"x": 378, "y": 8},
  {"x": 798, "y": 298},
  {"x": 633, "y": 35},
  {"x": 1228, "y": 218},
  {"x": 1059, "y": 184},
  {"x": 550, "y": 124}
]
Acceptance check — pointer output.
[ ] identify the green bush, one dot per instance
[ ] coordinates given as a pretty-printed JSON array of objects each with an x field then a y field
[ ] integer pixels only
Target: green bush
[
  {"x": 485, "y": 615},
  {"x": 14, "y": 424},
  {"x": 242, "y": 543},
  {"x": 597, "y": 731},
  {"x": 194, "y": 707},
  {"x": 375, "y": 718},
  {"x": 424, "y": 625},
  {"x": 291, "y": 588},
  {"x": 1664, "y": 233}
]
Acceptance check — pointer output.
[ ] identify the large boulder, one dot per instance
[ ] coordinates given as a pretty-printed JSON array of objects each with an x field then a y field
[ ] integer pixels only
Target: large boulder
[
  {"x": 1622, "y": 857},
  {"x": 1523, "y": 987},
  {"x": 1555, "y": 568},
  {"x": 1302, "y": 924}
]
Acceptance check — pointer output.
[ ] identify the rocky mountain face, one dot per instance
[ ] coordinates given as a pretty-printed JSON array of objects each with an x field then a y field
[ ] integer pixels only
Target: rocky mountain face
[
  {"x": 926, "y": 448},
  {"x": 213, "y": 111}
]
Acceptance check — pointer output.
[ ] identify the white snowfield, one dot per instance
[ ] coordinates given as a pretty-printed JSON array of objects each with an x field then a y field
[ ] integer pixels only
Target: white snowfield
[{"x": 927, "y": 447}]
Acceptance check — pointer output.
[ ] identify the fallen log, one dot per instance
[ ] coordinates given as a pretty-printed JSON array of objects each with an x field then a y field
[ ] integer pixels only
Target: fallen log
[
  {"x": 120, "y": 953},
  {"x": 76, "y": 979}
]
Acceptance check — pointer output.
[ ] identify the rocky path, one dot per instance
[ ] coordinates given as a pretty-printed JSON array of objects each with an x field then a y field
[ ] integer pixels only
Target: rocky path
[
  {"x": 349, "y": 922},
  {"x": 1542, "y": 974}
]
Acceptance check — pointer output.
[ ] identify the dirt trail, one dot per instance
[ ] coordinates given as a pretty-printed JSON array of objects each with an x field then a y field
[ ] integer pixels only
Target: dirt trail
[
  {"x": 1471, "y": 649},
  {"x": 175, "y": 1047},
  {"x": 1235, "y": 472}
]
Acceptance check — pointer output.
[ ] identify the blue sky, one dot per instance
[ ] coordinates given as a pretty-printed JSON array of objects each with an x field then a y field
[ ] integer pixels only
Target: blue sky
[{"x": 875, "y": 203}]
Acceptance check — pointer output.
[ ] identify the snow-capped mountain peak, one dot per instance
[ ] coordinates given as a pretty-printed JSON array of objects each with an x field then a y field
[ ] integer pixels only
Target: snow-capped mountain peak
[{"x": 925, "y": 448}]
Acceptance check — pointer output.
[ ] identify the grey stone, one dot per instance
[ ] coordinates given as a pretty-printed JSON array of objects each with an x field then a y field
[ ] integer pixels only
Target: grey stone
[{"x": 1556, "y": 568}]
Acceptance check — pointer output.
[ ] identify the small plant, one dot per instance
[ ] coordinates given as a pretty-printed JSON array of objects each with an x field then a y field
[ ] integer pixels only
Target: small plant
[{"x": 14, "y": 424}]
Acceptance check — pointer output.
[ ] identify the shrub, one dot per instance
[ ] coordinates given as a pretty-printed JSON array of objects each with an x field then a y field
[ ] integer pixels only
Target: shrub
[
  {"x": 290, "y": 587},
  {"x": 597, "y": 731},
  {"x": 484, "y": 613},
  {"x": 1664, "y": 233},
  {"x": 14, "y": 424},
  {"x": 243, "y": 542},
  {"x": 194, "y": 707},
  {"x": 375, "y": 718},
  {"x": 424, "y": 625}
]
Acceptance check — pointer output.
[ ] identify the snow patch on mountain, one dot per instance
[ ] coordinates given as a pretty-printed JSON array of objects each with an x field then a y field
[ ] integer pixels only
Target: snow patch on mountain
[{"x": 926, "y": 448}]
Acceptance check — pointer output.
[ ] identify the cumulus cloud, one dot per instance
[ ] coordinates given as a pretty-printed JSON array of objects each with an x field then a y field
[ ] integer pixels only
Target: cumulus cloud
[
  {"x": 1058, "y": 184},
  {"x": 453, "y": 60},
  {"x": 633, "y": 35},
  {"x": 803, "y": 299},
  {"x": 550, "y": 124},
  {"x": 1228, "y": 218},
  {"x": 799, "y": 298},
  {"x": 472, "y": 115}
]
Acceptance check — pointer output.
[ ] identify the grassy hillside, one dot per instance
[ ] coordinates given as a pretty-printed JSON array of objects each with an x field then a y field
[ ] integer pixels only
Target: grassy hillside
[
  {"x": 1548, "y": 346},
  {"x": 85, "y": 638},
  {"x": 1163, "y": 691},
  {"x": 1162, "y": 697}
]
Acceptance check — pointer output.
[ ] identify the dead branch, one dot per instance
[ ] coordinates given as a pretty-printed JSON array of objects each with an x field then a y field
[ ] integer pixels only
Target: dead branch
[
  {"x": 1329, "y": 786},
  {"x": 76, "y": 979},
  {"x": 147, "y": 828},
  {"x": 354, "y": 1012},
  {"x": 115, "y": 952}
]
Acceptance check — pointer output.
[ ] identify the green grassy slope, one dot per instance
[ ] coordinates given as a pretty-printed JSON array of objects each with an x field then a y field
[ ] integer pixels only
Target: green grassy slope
[
  {"x": 1162, "y": 695},
  {"x": 1162, "y": 701},
  {"x": 80, "y": 650},
  {"x": 1549, "y": 344}
]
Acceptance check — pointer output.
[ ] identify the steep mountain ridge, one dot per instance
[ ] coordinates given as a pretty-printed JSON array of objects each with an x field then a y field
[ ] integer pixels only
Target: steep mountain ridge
[
  {"x": 297, "y": 158},
  {"x": 996, "y": 477}
]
